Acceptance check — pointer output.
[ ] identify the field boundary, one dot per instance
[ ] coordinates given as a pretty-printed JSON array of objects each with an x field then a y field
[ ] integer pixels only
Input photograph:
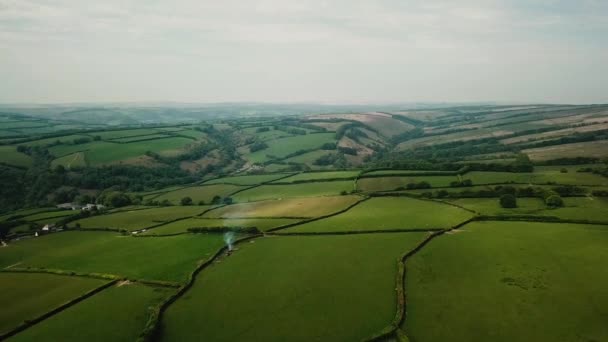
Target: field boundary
[{"x": 360, "y": 232}]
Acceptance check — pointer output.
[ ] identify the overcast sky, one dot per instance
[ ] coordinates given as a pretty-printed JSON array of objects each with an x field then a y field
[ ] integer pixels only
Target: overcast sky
[{"x": 342, "y": 51}]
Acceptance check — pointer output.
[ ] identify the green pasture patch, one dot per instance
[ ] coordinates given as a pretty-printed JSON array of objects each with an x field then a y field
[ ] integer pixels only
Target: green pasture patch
[
  {"x": 280, "y": 148},
  {"x": 309, "y": 158},
  {"x": 276, "y": 191},
  {"x": 50, "y": 215},
  {"x": 169, "y": 258},
  {"x": 247, "y": 180},
  {"x": 403, "y": 172},
  {"x": 389, "y": 213},
  {"x": 23, "y": 124},
  {"x": 510, "y": 281},
  {"x": 141, "y": 137},
  {"x": 311, "y": 176},
  {"x": 108, "y": 135},
  {"x": 65, "y": 139},
  {"x": 118, "y": 313},
  {"x": 394, "y": 183},
  {"x": 139, "y": 219},
  {"x": 334, "y": 288},
  {"x": 71, "y": 160},
  {"x": 192, "y": 133},
  {"x": 290, "y": 207},
  {"x": 199, "y": 193},
  {"x": 10, "y": 156},
  {"x": 25, "y": 296},
  {"x": 182, "y": 226},
  {"x": 26, "y": 212},
  {"x": 549, "y": 175}
]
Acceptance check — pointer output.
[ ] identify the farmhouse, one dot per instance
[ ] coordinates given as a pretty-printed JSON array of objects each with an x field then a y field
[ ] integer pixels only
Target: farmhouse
[{"x": 91, "y": 206}]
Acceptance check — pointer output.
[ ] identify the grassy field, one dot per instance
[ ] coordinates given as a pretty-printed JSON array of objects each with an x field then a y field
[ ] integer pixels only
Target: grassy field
[
  {"x": 71, "y": 160},
  {"x": 10, "y": 156},
  {"x": 389, "y": 213},
  {"x": 575, "y": 208},
  {"x": 167, "y": 258},
  {"x": 26, "y": 212},
  {"x": 280, "y": 148},
  {"x": 293, "y": 207},
  {"x": 183, "y": 225},
  {"x": 139, "y": 219},
  {"x": 309, "y": 176},
  {"x": 25, "y": 296},
  {"x": 539, "y": 176},
  {"x": 50, "y": 215},
  {"x": 115, "y": 314},
  {"x": 199, "y": 193},
  {"x": 392, "y": 183},
  {"x": 108, "y": 135},
  {"x": 247, "y": 180},
  {"x": 308, "y": 158},
  {"x": 297, "y": 289},
  {"x": 270, "y": 191},
  {"x": 510, "y": 281},
  {"x": 596, "y": 149}
]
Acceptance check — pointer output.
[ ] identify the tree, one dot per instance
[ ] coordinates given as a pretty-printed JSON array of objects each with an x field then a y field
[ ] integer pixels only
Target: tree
[
  {"x": 508, "y": 201},
  {"x": 563, "y": 170},
  {"x": 186, "y": 201},
  {"x": 201, "y": 202},
  {"x": 216, "y": 199},
  {"x": 227, "y": 200},
  {"x": 554, "y": 201}
]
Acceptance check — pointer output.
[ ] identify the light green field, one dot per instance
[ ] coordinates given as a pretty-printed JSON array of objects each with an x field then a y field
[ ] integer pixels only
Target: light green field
[
  {"x": 10, "y": 156},
  {"x": 333, "y": 288},
  {"x": 308, "y": 158},
  {"x": 26, "y": 212},
  {"x": 279, "y": 148},
  {"x": 124, "y": 133},
  {"x": 71, "y": 160},
  {"x": 118, "y": 313},
  {"x": 404, "y": 172},
  {"x": 541, "y": 175},
  {"x": 62, "y": 139},
  {"x": 168, "y": 258},
  {"x": 192, "y": 133},
  {"x": 142, "y": 137},
  {"x": 291, "y": 207},
  {"x": 270, "y": 191},
  {"x": 392, "y": 183},
  {"x": 25, "y": 296},
  {"x": 50, "y": 215},
  {"x": 575, "y": 208},
  {"x": 247, "y": 180},
  {"x": 307, "y": 176},
  {"x": 389, "y": 213},
  {"x": 199, "y": 193},
  {"x": 510, "y": 281},
  {"x": 183, "y": 225},
  {"x": 139, "y": 219}
]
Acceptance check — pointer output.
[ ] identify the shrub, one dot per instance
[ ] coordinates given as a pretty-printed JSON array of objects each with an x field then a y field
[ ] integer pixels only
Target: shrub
[
  {"x": 216, "y": 199},
  {"x": 508, "y": 201},
  {"x": 186, "y": 201},
  {"x": 554, "y": 201},
  {"x": 563, "y": 170}
]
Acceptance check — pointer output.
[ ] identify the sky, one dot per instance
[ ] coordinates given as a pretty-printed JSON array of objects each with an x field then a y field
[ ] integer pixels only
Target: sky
[{"x": 342, "y": 51}]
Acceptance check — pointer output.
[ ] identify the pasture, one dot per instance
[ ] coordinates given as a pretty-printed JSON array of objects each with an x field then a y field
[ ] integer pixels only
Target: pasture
[
  {"x": 297, "y": 289},
  {"x": 288, "y": 208},
  {"x": 167, "y": 258},
  {"x": 204, "y": 193},
  {"x": 280, "y": 148},
  {"x": 118, "y": 313},
  {"x": 394, "y": 183},
  {"x": 247, "y": 180},
  {"x": 510, "y": 281},
  {"x": 25, "y": 296},
  {"x": 276, "y": 191},
  {"x": 388, "y": 213},
  {"x": 597, "y": 149},
  {"x": 183, "y": 225},
  {"x": 10, "y": 156},
  {"x": 324, "y": 175},
  {"x": 69, "y": 161}
]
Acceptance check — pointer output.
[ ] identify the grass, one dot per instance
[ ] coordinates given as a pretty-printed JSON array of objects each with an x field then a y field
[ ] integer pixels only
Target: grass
[
  {"x": 575, "y": 208},
  {"x": 139, "y": 219},
  {"x": 294, "y": 289},
  {"x": 50, "y": 215},
  {"x": 26, "y": 212},
  {"x": 25, "y": 296},
  {"x": 71, "y": 160},
  {"x": 282, "y": 147},
  {"x": 10, "y": 156},
  {"x": 293, "y": 207},
  {"x": 309, "y": 176},
  {"x": 167, "y": 258},
  {"x": 308, "y": 158},
  {"x": 389, "y": 213},
  {"x": 247, "y": 180},
  {"x": 595, "y": 149},
  {"x": 115, "y": 314},
  {"x": 124, "y": 133},
  {"x": 183, "y": 225},
  {"x": 65, "y": 139},
  {"x": 510, "y": 281},
  {"x": 393, "y": 183},
  {"x": 199, "y": 193},
  {"x": 270, "y": 191},
  {"x": 540, "y": 176}
]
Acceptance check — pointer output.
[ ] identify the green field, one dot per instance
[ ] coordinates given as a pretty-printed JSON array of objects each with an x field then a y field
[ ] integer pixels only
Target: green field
[
  {"x": 542, "y": 175},
  {"x": 280, "y": 148},
  {"x": 393, "y": 183},
  {"x": 247, "y": 180},
  {"x": 291, "y": 207},
  {"x": 50, "y": 215},
  {"x": 139, "y": 219},
  {"x": 309, "y": 176},
  {"x": 199, "y": 193},
  {"x": 510, "y": 281},
  {"x": 69, "y": 161},
  {"x": 115, "y": 314},
  {"x": 25, "y": 296},
  {"x": 108, "y": 135},
  {"x": 183, "y": 225},
  {"x": 308, "y": 158},
  {"x": 338, "y": 288},
  {"x": 26, "y": 212},
  {"x": 271, "y": 191},
  {"x": 167, "y": 258},
  {"x": 388, "y": 213},
  {"x": 10, "y": 156}
]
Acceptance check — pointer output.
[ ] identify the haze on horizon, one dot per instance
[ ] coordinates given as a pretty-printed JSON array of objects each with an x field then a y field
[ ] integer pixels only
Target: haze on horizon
[{"x": 550, "y": 51}]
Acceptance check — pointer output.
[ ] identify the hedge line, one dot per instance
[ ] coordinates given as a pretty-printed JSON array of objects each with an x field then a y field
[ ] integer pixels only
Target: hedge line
[
  {"x": 358, "y": 232},
  {"x": 103, "y": 276}
]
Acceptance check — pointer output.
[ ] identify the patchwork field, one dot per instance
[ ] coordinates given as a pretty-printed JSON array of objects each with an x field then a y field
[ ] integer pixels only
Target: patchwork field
[
  {"x": 510, "y": 281},
  {"x": 204, "y": 193},
  {"x": 25, "y": 296},
  {"x": 247, "y": 180},
  {"x": 118, "y": 313},
  {"x": 388, "y": 213},
  {"x": 598, "y": 149},
  {"x": 271, "y": 191},
  {"x": 183, "y": 225},
  {"x": 10, "y": 156},
  {"x": 288, "y": 279},
  {"x": 280, "y": 148},
  {"x": 394, "y": 183},
  {"x": 311, "y": 176}
]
